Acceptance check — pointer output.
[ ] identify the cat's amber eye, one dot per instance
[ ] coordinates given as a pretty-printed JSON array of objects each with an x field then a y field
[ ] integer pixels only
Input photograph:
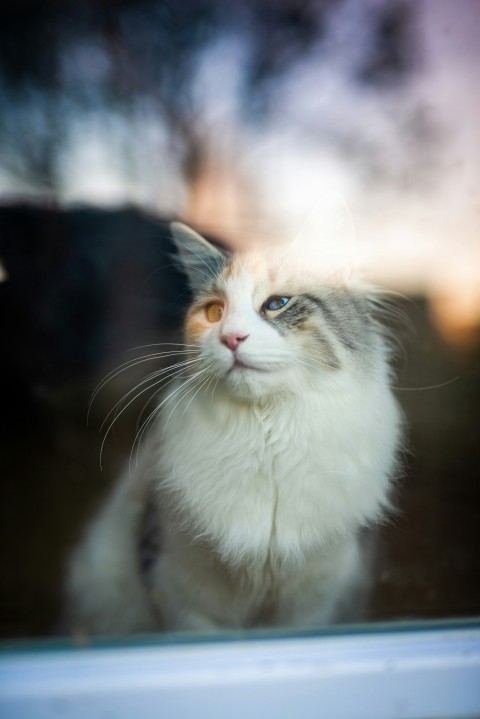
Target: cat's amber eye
[
  {"x": 273, "y": 304},
  {"x": 214, "y": 311}
]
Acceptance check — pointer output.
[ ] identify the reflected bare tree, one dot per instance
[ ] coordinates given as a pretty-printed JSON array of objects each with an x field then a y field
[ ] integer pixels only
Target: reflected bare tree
[{"x": 127, "y": 66}]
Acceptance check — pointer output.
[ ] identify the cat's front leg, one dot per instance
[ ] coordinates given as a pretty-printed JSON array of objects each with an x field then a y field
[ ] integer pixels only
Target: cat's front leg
[
  {"x": 324, "y": 589},
  {"x": 193, "y": 591}
]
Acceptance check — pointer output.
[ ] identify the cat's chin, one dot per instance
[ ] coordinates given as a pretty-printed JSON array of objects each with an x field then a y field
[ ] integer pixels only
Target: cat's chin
[{"x": 251, "y": 383}]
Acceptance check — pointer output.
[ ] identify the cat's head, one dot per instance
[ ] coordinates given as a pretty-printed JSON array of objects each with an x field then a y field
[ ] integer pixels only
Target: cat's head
[{"x": 265, "y": 322}]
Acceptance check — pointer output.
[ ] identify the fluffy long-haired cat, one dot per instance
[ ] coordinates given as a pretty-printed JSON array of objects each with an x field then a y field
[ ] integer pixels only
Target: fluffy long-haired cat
[{"x": 272, "y": 448}]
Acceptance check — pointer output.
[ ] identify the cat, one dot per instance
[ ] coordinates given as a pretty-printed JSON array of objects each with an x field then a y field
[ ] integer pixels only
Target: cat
[{"x": 273, "y": 447}]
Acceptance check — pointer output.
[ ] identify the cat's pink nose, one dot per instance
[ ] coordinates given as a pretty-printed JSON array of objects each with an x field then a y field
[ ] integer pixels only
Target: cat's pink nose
[{"x": 232, "y": 340}]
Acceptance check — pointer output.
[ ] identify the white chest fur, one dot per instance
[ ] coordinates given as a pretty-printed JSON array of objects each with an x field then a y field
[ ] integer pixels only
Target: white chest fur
[{"x": 280, "y": 480}]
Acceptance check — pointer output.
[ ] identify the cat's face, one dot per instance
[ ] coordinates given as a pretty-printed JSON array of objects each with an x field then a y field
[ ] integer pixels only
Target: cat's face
[{"x": 260, "y": 325}]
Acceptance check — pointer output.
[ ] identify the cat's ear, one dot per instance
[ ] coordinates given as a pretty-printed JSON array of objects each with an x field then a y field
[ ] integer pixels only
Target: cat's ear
[{"x": 197, "y": 257}]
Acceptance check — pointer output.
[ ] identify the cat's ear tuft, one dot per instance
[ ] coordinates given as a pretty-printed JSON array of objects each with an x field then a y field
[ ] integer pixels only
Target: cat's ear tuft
[{"x": 199, "y": 259}]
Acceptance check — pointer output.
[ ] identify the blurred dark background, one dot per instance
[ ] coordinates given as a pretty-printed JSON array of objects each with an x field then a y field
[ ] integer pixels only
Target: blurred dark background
[{"x": 118, "y": 116}]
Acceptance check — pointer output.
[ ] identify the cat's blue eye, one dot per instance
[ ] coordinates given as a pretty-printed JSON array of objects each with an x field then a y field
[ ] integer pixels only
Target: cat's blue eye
[{"x": 273, "y": 304}]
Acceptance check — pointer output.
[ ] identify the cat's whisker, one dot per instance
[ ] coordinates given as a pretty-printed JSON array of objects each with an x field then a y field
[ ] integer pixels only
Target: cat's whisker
[
  {"x": 186, "y": 385},
  {"x": 144, "y": 407},
  {"x": 164, "y": 344},
  {"x": 140, "y": 428},
  {"x": 171, "y": 368},
  {"x": 202, "y": 384},
  {"x": 208, "y": 385},
  {"x": 138, "y": 438},
  {"x": 139, "y": 435},
  {"x": 133, "y": 362},
  {"x": 124, "y": 367},
  {"x": 193, "y": 386},
  {"x": 155, "y": 411},
  {"x": 215, "y": 386},
  {"x": 150, "y": 418},
  {"x": 117, "y": 416},
  {"x": 429, "y": 387}
]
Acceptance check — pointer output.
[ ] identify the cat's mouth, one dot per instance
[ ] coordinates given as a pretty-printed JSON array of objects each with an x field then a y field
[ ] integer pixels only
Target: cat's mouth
[{"x": 239, "y": 365}]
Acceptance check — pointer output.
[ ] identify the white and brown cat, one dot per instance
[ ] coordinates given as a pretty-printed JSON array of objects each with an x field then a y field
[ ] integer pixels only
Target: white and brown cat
[{"x": 271, "y": 449}]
